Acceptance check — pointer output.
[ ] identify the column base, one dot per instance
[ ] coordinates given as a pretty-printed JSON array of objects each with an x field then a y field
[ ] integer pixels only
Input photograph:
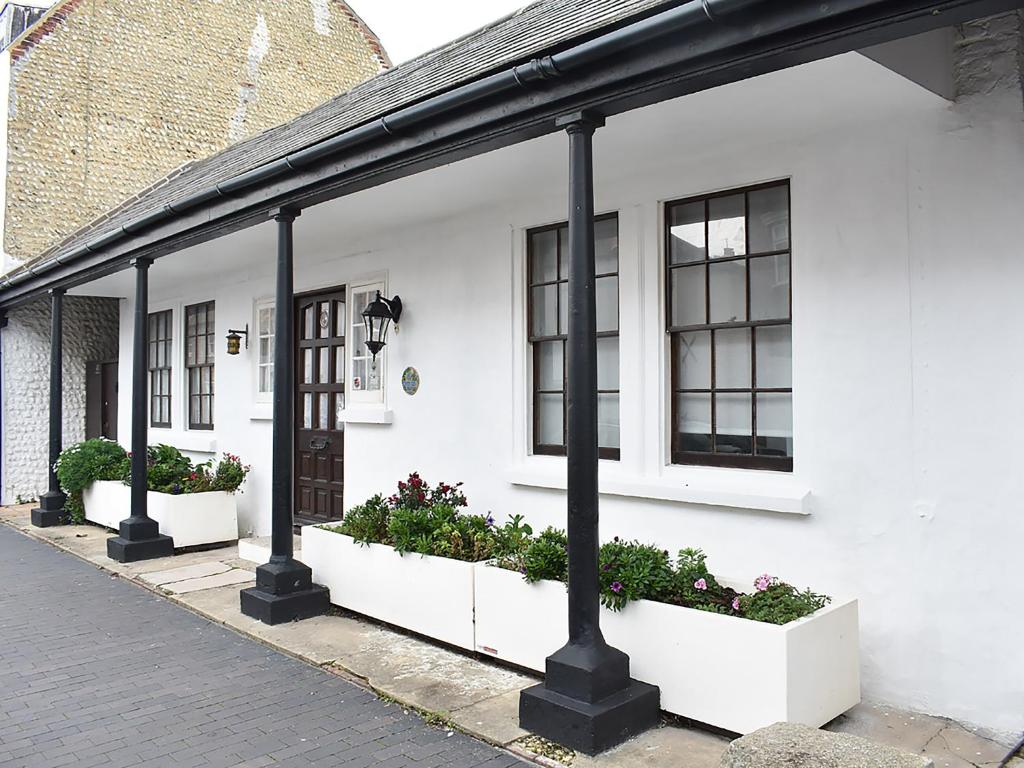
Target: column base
[
  {"x": 284, "y": 592},
  {"x": 587, "y": 727},
  {"x": 50, "y": 511},
  {"x": 140, "y": 539}
]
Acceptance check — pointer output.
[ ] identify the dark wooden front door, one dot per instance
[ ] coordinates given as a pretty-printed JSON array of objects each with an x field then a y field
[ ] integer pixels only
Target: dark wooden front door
[
  {"x": 101, "y": 400},
  {"x": 319, "y": 431}
]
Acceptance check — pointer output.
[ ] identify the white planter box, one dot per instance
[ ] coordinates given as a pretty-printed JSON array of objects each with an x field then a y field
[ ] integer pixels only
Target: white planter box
[
  {"x": 191, "y": 519},
  {"x": 724, "y": 671},
  {"x": 429, "y": 595}
]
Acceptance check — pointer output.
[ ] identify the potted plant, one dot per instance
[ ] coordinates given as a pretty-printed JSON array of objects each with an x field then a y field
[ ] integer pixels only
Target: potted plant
[{"x": 193, "y": 503}]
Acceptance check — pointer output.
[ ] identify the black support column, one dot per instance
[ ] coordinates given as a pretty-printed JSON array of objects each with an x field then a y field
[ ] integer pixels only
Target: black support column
[
  {"x": 51, "y": 504},
  {"x": 140, "y": 537},
  {"x": 588, "y": 701},
  {"x": 284, "y": 588}
]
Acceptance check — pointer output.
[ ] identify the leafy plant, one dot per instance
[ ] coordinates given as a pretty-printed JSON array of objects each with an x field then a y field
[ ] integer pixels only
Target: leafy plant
[
  {"x": 776, "y": 602},
  {"x": 367, "y": 523},
  {"x": 166, "y": 468},
  {"x": 547, "y": 557},
  {"x": 694, "y": 586},
  {"x": 84, "y": 463},
  {"x": 633, "y": 571},
  {"x": 169, "y": 471}
]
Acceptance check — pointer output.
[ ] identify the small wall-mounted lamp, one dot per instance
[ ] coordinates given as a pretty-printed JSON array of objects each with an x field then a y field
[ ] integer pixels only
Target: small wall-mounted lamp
[
  {"x": 235, "y": 340},
  {"x": 378, "y": 316}
]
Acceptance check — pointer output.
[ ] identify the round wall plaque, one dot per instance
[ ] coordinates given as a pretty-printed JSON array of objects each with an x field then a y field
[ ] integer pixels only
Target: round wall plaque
[{"x": 410, "y": 380}]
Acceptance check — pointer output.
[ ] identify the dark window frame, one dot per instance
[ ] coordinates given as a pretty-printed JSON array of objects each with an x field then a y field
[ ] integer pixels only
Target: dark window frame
[
  {"x": 208, "y": 308},
  {"x": 712, "y": 459},
  {"x": 154, "y": 342},
  {"x": 535, "y": 341}
]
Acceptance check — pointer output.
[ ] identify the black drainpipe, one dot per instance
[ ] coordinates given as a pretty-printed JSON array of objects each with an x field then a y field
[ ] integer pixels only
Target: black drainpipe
[{"x": 688, "y": 16}]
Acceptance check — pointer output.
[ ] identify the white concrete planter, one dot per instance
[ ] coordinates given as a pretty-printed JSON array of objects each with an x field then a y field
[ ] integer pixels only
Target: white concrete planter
[
  {"x": 429, "y": 595},
  {"x": 728, "y": 672},
  {"x": 191, "y": 519}
]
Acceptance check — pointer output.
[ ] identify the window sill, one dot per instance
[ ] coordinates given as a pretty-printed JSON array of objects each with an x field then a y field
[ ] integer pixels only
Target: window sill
[
  {"x": 739, "y": 491},
  {"x": 196, "y": 442},
  {"x": 262, "y": 412},
  {"x": 367, "y": 416}
]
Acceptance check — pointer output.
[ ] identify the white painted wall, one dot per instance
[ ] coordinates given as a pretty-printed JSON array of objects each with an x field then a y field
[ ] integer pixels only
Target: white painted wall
[{"x": 906, "y": 277}]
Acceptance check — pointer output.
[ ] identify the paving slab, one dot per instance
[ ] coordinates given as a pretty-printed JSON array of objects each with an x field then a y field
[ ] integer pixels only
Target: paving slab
[
  {"x": 495, "y": 719},
  {"x": 665, "y": 746},
  {"x": 184, "y": 573},
  {"x": 222, "y": 579}
]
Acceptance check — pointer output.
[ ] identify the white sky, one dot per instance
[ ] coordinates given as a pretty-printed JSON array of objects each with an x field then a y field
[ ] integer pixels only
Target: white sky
[{"x": 408, "y": 28}]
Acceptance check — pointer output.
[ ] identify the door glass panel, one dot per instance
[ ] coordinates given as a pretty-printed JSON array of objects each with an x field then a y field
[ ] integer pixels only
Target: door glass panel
[
  {"x": 307, "y": 366},
  {"x": 339, "y": 409},
  {"x": 687, "y": 295},
  {"x": 693, "y": 360},
  {"x": 608, "y": 421},
  {"x": 307, "y": 410},
  {"x": 324, "y": 367},
  {"x": 732, "y": 359},
  {"x": 339, "y": 318},
  {"x": 339, "y": 365},
  {"x": 323, "y": 410},
  {"x": 307, "y": 322},
  {"x": 728, "y": 292},
  {"x": 727, "y": 235},
  {"x": 687, "y": 239},
  {"x": 323, "y": 322}
]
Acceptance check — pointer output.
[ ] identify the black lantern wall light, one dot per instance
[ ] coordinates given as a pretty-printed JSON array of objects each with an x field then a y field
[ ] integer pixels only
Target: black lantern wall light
[
  {"x": 235, "y": 340},
  {"x": 378, "y": 316}
]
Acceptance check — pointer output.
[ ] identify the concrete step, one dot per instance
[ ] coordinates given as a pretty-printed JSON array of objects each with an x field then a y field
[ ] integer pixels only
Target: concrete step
[
  {"x": 257, "y": 550},
  {"x": 787, "y": 745}
]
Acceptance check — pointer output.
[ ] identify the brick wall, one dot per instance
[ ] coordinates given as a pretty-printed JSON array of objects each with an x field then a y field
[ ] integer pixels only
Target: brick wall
[
  {"x": 108, "y": 96},
  {"x": 90, "y": 334}
]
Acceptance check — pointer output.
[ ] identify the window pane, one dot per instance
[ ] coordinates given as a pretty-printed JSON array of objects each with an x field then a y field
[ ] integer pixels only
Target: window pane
[
  {"x": 323, "y": 410},
  {"x": 266, "y": 353},
  {"x": 544, "y": 256},
  {"x": 727, "y": 234},
  {"x": 686, "y": 230},
  {"x": 687, "y": 295},
  {"x": 607, "y": 304},
  {"x": 359, "y": 374},
  {"x": 606, "y": 246},
  {"x": 211, "y": 341},
  {"x": 265, "y": 382},
  {"x": 190, "y": 351},
  {"x": 733, "y": 415},
  {"x": 563, "y": 245},
  {"x": 608, "y": 362},
  {"x": 201, "y": 321},
  {"x": 266, "y": 320},
  {"x": 358, "y": 340},
  {"x": 373, "y": 375},
  {"x": 549, "y": 373},
  {"x": 206, "y": 410},
  {"x": 307, "y": 410},
  {"x": 769, "y": 288},
  {"x": 693, "y": 423},
  {"x": 774, "y": 356},
  {"x": 608, "y": 421},
  {"x": 728, "y": 292},
  {"x": 193, "y": 409},
  {"x": 693, "y": 360},
  {"x": 544, "y": 311},
  {"x": 775, "y": 425},
  {"x": 324, "y": 367},
  {"x": 769, "y": 219},
  {"x": 732, "y": 359},
  {"x": 563, "y": 308},
  {"x": 549, "y": 419}
]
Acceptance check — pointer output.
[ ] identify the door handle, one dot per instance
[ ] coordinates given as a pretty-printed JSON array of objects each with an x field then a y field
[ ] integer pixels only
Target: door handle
[{"x": 319, "y": 443}]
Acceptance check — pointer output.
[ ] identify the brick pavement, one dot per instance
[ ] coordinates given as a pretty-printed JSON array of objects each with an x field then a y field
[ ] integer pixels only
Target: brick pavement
[{"x": 95, "y": 671}]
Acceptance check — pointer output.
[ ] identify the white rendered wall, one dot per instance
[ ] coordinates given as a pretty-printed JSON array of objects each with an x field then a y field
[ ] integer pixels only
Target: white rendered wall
[{"x": 907, "y": 269}]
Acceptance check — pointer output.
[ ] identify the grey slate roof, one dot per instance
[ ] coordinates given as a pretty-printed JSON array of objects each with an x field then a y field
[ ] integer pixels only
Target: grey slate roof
[{"x": 543, "y": 26}]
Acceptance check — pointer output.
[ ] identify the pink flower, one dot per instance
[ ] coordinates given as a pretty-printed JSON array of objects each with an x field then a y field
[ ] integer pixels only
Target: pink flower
[
  {"x": 762, "y": 582},
  {"x": 616, "y": 587},
  {"x": 736, "y": 603},
  {"x": 700, "y": 584}
]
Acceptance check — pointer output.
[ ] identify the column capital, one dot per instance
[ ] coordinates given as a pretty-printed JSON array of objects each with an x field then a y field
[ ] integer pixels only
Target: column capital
[
  {"x": 580, "y": 122},
  {"x": 57, "y": 291},
  {"x": 285, "y": 214},
  {"x": 142, "y": 262}
]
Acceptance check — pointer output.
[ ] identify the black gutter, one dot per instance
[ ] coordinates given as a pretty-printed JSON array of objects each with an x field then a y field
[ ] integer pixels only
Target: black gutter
[
  {"x": 719, "y": 46},
  {"x": 526, "y": 75}
]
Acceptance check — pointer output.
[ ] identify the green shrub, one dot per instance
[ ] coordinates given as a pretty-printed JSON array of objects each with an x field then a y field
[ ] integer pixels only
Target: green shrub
[
  {"x": 547, "y": 557},
  {"x": 694, "y": 586},
  {"x": 84, "y": 463},
  {"x": 169, "y": 471},
  {"x": 777, "y": 602},
  {"x": 633, "y": 571},
  {"x": 367, "y": 523}
]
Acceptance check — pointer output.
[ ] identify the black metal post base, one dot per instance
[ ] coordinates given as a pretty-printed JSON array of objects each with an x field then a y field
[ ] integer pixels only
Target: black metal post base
[
  {"x": 140, "y": 539},
  {"x": 284, "y": 592},
  {"x": 589, "y": 727},
  {"x": 50, "y": 511}
]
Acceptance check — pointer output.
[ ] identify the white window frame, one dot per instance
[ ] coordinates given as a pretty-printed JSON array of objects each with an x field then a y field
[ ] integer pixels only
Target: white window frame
[
  {"x": 362, "y": 398},
  {"x": 258, "y": 306}
]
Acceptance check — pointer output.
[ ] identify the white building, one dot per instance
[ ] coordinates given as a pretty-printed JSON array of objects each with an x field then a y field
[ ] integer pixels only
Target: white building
[{"x": 848, "y": 210}]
